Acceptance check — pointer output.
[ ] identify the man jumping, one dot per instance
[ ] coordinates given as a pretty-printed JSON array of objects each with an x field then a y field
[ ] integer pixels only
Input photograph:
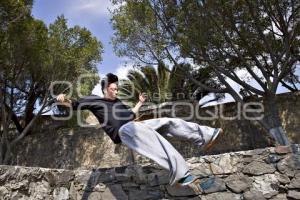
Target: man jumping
[{"x": 145, "y": 137}]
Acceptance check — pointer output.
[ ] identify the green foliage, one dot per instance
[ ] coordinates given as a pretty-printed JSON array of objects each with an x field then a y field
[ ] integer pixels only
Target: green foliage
[
  {"x": 138, "y": 33},
  {"x": 33, "y": 56},
  {"x": 224, "y": 36},
  {"x": 221, "y": 37},
  {"x": 159, "y": 83},
  {"x": 74, "y": 52},
  {"x": 148, "y": 80}
]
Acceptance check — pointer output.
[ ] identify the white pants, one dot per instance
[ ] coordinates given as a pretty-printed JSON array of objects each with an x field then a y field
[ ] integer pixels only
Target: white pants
[{"x": 146, "y": 138}]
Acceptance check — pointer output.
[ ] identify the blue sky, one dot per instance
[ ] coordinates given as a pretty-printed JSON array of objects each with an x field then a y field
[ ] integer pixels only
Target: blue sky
[{"x": 92, "y": 14}]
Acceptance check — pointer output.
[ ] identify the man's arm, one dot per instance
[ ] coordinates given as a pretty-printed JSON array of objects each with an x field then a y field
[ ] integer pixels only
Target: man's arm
[
  {"x": 83, "y": 103},
  {"x": 142, "y": 99}
]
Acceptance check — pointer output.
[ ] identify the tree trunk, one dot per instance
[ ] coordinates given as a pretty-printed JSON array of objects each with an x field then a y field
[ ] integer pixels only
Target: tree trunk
[
  {"x": 30, "y": 108},
  {"x": 272, "y": 117}
]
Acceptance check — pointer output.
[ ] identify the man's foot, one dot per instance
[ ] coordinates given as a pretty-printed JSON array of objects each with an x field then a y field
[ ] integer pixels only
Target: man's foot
[
  {"x": 199, "y": 186},
  {"x": 214, "y": 139},
  {"x": 196, "y": 186},
  {"x": 186, "y": 180}
]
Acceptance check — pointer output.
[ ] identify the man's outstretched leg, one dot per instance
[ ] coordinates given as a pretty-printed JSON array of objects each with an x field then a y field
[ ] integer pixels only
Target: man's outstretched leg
[
  {"x": 146, "y": 141},
  {"x": 202, "y": 136}
]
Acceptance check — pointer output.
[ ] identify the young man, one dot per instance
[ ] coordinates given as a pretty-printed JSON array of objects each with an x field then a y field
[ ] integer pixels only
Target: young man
[{"x": 145, "y": 137}]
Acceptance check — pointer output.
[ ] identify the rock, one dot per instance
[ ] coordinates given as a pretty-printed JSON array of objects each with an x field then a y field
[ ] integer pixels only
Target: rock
[
  {"x": 221, "y": 195},
  {"x": 295, "y": 183},
  {"x": 74, "y": 194},
  {"x": 130, "y": 185},
  {"x": 213, "y": 184},
  {"x": 210, "y": 159},
  {"x": 120, "y": 170},
  {"x": 282, "y": 149},
  {"x": 144, "y": 194},
  {"x": 137, "y": 174},
  {"x": 17, "y": 195},
  {"x": 247, "y": 160},
  {"x": 180, "y": 191},
  {"x": 61, "y": 178},
  {"x": 267, "y": 184},
  {"x": 114, "y": 192},
  {"x": 100, "y": 187},
  {"x": 254, "y": 195},
  {"x": 202, "y": 170},
  {"x": 289, "y": 165},
  {"x": 160, "y": 178},
  {"x": 193, "y": 160},
  {"x": 238, "y": 183},
  {"x": 258, "y": 168},
  {"x": 255, "y": 152},
  {"x": 293, "y": 194},
  {"x": 82, "y": 176},
  {"x": 21, "y": 185},
  {"x": 224, "y": 165},
  {"x": 280, "y": 197},
  {"x": 282, "y": 178},
  {"x": 123, "y": 177},
  {"x": 140, "y": 177},
  {"x": 103, "y": 175},
  {"x": 39, "y": 190},
  {"x": 61, "y": 193},
  {"x": 4, "y": 193},
  {"x": 96, "y": 196},
  {"x": 272, "y": 158},
  {"x": 64, "y": 178}
]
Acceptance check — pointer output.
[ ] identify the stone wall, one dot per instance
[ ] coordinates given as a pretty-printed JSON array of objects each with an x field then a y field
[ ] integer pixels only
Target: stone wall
[
  {"x": 71, "y": 148},
  {"x": 271, "y": 173},
  {"x": 55, "y": 145}
]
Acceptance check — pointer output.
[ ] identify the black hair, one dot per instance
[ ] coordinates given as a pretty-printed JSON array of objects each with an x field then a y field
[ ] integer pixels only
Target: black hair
[{"x": 107, "y": 80}]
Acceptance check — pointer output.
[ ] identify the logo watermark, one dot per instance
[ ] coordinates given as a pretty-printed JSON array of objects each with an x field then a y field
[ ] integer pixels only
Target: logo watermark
[{"x": 176, "y": 109}]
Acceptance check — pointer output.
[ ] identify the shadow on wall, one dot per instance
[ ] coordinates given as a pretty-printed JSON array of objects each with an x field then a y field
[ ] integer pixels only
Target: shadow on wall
[
  {"x": 73, "y": 148},
  {"x": 99, "y": 177}
]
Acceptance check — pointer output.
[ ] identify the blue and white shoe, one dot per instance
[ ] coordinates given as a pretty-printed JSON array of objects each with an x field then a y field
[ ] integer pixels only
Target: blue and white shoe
[
  {"x": 199, "y": 186},
  {"x": 186, "y": 180}
]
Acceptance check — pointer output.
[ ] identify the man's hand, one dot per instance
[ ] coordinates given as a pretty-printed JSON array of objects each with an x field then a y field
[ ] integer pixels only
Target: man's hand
[
  {"x": 142, "y": 97},
  {"x": 63, "y": 100}
]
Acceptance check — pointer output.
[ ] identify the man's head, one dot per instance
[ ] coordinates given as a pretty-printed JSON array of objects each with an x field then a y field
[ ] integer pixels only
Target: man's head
[{"x": 109, "y": 86}]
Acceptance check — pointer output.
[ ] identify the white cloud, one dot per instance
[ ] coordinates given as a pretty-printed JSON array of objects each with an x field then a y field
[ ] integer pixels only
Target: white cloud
[
  {"x": 97, "y": 90},
  {"x": 122, "y": 70},
  {"x": 244, "y": 75},
  {"x": 90, "y": 7}
]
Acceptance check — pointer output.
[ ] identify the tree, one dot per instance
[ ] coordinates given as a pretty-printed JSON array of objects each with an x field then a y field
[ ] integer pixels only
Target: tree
[
  {"x": 148, "y": 80},
  {"x": 261, "y": 37},
  {"x": 140, "y": 36},
  {"x": 33, "y": 57}
]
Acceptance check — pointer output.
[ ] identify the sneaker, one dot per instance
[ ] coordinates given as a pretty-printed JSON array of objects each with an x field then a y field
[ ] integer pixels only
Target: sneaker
[
  {"x": 200, "y": 186},
  {"x": 196, "y": 186},
  {"x": 215, "y": 137},
  {"x": 186, "y": 180}
]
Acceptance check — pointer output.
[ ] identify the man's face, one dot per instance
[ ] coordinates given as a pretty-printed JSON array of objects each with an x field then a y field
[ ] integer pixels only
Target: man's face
[{"x": 112, "y": 91}]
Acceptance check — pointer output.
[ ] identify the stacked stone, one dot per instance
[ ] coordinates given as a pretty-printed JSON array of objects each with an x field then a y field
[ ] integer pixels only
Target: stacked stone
[{"x": 271, "y": 173}]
